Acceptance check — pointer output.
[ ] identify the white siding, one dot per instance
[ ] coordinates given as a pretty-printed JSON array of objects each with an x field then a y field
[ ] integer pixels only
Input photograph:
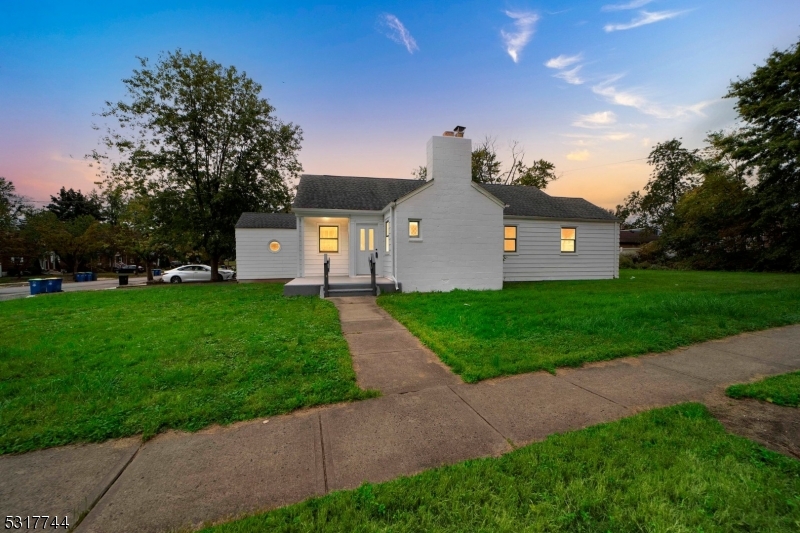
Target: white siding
[
  {"x": 539, "y": 254},
  {"x": 313, "y": 259},
  {"x": 460, "y": 245},
  {"x": 254, "y": 259}
]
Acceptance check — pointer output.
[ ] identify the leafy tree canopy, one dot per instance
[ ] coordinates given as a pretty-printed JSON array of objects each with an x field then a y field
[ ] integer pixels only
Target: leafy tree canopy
[
  {"x": 487, "y": 167},
  {"x": 199, "y": 137},
  {"x": 71, "y": 204}
]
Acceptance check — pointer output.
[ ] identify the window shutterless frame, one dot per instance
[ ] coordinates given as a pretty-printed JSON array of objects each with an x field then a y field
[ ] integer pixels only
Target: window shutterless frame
[
  {"x": 569, "y": 241},
  {"x": 510, "y": 239},
  {"x": 414, "y": 226},
  {"x": 329, "y": 239},
  {"x": 388, "y": 228}
]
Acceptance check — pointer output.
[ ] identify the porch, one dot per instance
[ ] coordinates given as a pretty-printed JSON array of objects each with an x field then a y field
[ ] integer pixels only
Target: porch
[{"x": 339, "y": 286}]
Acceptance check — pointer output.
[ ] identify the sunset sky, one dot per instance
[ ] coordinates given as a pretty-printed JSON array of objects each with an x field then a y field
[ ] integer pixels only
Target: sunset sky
[{"x": 590, "y": 86}]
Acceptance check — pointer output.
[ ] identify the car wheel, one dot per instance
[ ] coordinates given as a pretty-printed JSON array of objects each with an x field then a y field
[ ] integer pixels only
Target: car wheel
[
  {"x": 175, "y": 279},
  {"x": 220, "y": 278}
]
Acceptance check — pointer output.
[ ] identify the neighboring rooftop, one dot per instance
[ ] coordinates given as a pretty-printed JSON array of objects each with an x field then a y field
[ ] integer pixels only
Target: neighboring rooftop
[
  {"x": 373, "y": 194},
  {"x": 350, "y": 192},
  {"x": 267, "y": 220}
]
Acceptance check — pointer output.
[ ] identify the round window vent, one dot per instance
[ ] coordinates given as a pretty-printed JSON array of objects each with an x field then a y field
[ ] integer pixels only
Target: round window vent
[{"x": 274, "y": 247}]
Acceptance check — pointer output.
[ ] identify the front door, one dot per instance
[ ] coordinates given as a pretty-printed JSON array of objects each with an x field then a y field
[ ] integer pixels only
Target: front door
[{"x": 365, "y": 239}]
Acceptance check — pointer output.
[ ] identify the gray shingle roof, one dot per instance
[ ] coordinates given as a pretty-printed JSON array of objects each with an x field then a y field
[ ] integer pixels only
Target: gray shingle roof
[
  {"x": 373, "y": 194},
  {"x": 531, "y": 202},
  {"x": 267, "y": 220},
  {"x": 349, "y": 192}
]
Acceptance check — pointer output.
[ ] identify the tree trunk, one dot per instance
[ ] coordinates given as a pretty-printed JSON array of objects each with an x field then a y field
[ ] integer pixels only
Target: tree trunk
[
  {"x": 214, "y": 267},
  {"x": 148, "y": 270}
]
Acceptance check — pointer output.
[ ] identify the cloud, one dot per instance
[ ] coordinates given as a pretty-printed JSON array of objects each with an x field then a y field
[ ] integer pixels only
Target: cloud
[
  {"x": 398, "y": 33},
  {"x": 633, "y": 4},
  {"x": 645, "y": 17},
  {"x": 563, "y": 61},
  {"x": 515, "y": 41},
  {"x": 611, "y": 136},
  {"x": 571, "y": 76},
  {"x": 601, "y": 119},
  {"x": 632, "y": 99},
  {"x": 578, "y": 155}
]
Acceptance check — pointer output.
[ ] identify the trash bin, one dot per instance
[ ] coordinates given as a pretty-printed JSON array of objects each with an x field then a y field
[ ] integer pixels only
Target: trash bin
[
  {"x": 38, "y": 286},
  {"x": 123, "y": 279},
  {"x": 83, "y": 276},
  {"x": 53, "y": 284},
  {"x": 93, "y": 275},
  {"x": 156, "y": 271}
]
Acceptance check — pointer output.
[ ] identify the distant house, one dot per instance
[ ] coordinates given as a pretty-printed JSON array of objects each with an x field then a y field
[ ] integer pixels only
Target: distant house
[
  {"x": 632, "y": 240},
  {"x": 444, "y": 233}
]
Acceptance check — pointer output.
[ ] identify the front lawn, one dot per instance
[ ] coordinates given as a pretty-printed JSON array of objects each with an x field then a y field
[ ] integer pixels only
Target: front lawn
[
  {"x": 544, "y": 325},
  {"x": 673, "y": 469},
  {"x": 90, "y": 366},
  {"x": 780, "y": 390}
]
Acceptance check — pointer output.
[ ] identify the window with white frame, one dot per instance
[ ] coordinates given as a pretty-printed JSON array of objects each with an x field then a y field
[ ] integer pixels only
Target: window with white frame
[
  {"x": 329, "y": 239},
  {"x": 510, "y": 239},
  {"x": 568, "y": 240},
  {"x": 388, "y": 232}
]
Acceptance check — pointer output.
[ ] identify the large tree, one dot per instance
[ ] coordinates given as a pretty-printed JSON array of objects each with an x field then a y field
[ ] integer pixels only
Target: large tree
[
  {"x": 487, "y": 167},
  {"x": 674, "y": 174},
  {"x": 70, "y": 204},
  {"x": 768, "y": 145},
  {"x": 201, "y": 140},
  {"x": 13, "y": 209}
]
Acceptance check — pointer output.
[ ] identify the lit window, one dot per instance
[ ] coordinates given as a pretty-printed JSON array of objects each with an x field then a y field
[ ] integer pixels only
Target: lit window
[
  {"x": 568, "y": 240},
  {"x": 274, "y": 247},
  {"x": 388, "y": 228},
  {"x": 329, "y": 239},
  {"x": 510, "y": 239},
  {"x": 364, "y": 234},
  {"x": 413, "y": 229}
]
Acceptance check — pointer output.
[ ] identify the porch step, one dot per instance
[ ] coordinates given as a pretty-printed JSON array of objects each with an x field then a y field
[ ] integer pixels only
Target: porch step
[{"x": 350, "y": 290}]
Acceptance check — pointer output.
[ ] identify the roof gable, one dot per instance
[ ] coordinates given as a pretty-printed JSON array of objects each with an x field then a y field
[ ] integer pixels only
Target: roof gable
[{"x": 351, "y": 192}]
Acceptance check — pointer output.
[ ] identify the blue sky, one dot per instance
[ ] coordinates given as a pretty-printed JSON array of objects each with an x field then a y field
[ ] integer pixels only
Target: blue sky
[{"x": 590, "y": 86}]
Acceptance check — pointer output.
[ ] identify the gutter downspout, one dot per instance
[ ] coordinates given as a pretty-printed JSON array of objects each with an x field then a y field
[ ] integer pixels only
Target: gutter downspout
[{"x": 393, "y": 244}]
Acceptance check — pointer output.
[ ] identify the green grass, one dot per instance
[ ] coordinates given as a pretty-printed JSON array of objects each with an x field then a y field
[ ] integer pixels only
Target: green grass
[
  {"x": 780, "y": 390},
  {"x": 91, "y": 366},
  {"x": 673, "y": 469},
  {"x": 544, "y": 325}
]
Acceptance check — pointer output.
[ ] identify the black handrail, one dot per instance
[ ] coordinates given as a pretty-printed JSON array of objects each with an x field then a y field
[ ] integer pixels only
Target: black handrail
[
  {"x": 372, "y": 261},
  {"x": 326, "y": 268}
]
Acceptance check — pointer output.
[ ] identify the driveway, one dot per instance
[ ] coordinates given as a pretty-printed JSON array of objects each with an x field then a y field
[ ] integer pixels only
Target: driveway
[{"x": 10, "y": 293}]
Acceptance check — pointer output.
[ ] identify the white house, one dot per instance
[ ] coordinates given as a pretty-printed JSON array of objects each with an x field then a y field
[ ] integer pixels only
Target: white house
[{"x": 444, "y": 233}]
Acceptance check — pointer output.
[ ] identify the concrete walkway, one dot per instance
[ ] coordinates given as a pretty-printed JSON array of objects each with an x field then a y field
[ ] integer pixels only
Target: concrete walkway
[
  {"x": 181, "y": 480},
  {"x": 385, "y": 355}
]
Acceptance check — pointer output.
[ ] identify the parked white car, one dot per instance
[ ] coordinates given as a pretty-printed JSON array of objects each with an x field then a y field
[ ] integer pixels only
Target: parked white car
[{"x": 195, "y": 273}]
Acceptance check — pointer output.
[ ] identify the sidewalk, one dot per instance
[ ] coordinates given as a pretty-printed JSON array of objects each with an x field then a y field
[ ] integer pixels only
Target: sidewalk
[{"x": 426, "y": 418}]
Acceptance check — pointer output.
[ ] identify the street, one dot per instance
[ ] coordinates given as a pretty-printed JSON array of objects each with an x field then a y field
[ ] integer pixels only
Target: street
[{"x": 10, "y": 293}]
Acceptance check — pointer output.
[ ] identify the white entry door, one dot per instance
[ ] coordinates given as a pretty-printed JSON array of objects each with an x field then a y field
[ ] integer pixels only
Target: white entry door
[{"x": 365, "y": 235}]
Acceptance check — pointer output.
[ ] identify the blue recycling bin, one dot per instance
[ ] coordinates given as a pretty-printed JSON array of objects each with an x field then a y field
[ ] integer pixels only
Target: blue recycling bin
[
  {"x": 38, "y": 286},
  {"x": 53, "y": 285},
  {"x": 156, "y": 271},
  {"x": 80, "y": 276},
  {"x": 93, "y": 276}
]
